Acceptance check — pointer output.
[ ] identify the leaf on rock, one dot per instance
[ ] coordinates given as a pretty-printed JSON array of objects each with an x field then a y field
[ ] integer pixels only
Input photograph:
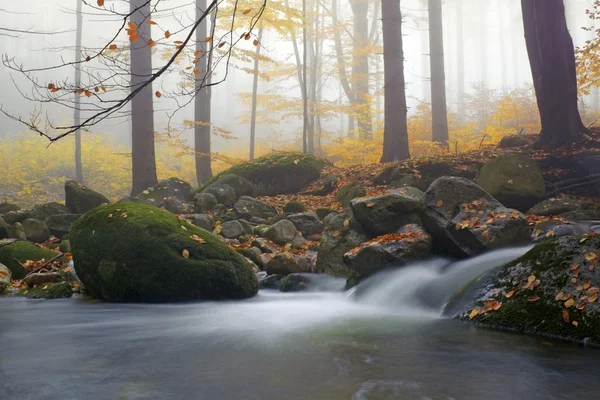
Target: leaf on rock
[
  {"x": 587, "y": 284},
  {"x": 439, "y": 203},
  {"x": 533, "y": 299},
  {"x": 473, "y": 313},
  {"x": 531, "y": 278},
  {"x": 565, "y": 315},
  {"x": 185, "y": 253},
  {"x": 370, "y": 205},
  {"x": 510, "y": 294},
  {"x": 569, "y": 303},
  {"x": 346, "y": 223},
  {"x": 591, "y": 256}
]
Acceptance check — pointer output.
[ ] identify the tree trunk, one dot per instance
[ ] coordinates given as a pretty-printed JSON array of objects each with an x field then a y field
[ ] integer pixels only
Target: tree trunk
[
  {"x": 255, "y": 94},
  {"x": 142, "y": 111},
  {"x": 202, "y": 126},
  {"x": 501, "y": 10},
  {"x": 438, "y": 76},
  {"x": 77, "y": 105},
  {"x": 460, "y": 61},
  {"x": 360, "y": 68},
  {"x": 425, "y": 63},
  {"x": 483, "y": 41},
  {"x": 395, "y": 133},
  {"x": 552, "y": 60}
]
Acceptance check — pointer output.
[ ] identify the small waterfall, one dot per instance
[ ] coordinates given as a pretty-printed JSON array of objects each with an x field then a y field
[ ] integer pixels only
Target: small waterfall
[{"x": 429, "y": 284}]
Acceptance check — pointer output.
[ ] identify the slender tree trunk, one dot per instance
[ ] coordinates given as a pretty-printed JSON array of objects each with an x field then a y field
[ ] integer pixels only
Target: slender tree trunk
[
  {"x": 483, "y": 40},
  {"x": 438, "y": 76},
  {"x": 202, "y": 127},
  {"x": 460, "y": 61},
  {"x": 142, "y": 109},
  {"x": 395, "y": 134},
  {"x": 515, "y": 38},
  {"x": 501, "y": 10},
  {"x": 552, "y": 60},
  {"x": 304, "y": 81},
  {"x": 314, "y": 65},
  {"x": 77, "y": 105},
  {"x": 360, "y": 67},
  {"x": 425, "y": 63},
  {"x": 255, "y": 93}
]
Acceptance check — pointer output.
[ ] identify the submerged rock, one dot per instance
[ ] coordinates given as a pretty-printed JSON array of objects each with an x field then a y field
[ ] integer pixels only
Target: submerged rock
[
  {"x": 81, "y": 199},
  {"x": 295, "y": 283},
  {"x": 551, "y": 290},
  {"x": 143, "y": 254},
  {"x": 465, "y": 220}
]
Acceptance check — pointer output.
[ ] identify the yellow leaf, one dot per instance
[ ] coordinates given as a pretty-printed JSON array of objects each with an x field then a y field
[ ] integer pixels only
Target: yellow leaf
[
  {"x": 592, "y": 298},
  {"x": 439, "y": 203},
  {"x": 569, "y": 303},
  {"x": 473, "y": 313},
  {"x": 370, "y": 205},
  {"x": 248, "y": 11},
  {"x": 109, "y": 215},
  {"x": 510, "y": 294},
  {"x": 590, "y": 256},
  {"x": 575, "y": 324},
  {"x": 185, "y": 253},
  {"x": 346, "y": 223},
  {"x": 124, "y": 215},
  {"x": 510, "y": 181},
  {"x": 531, "y": 278},
  {"x": 587, "y": 284},
  {"x": 565, "y": 315},
  {"x": 336, "y": 233},
  {"x": 184, "y": 228}
]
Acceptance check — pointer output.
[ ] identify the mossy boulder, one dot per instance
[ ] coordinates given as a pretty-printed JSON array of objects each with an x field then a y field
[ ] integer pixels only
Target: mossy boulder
[
  {"x": 43, "y": 211},
  {"x": 388, "y": 212},
  {"x": 552, "y": 290},
  {"x": 204, "y": 202},
  {"x": 293, "y": 207},
  {"x": 17, "y": 231},
  {"x": 35, "y": 230},
  {"x": 17, "y": 253},
  {"x": 60, "y": 290},
  {"x": 556, "y": 206},
  {"x": 248, "y": 208},
  {"x": 224, "y": 193},
  {"x": 81, "y": 199},
  {"x": 278, "y": 173},
  {"x": 323, "y": 212},
  {"x": 307, "y": 223},
  {"x": 514, "y": 141},
  {"x": 130, "y": 252},
  {"x": 165, "y": 189},
  {"x": 515, "y": 180},
  {"x": 242, "y": 186},
  {"x": 350, "y": 192},
  {"x": 341, "y": 234},
  {"x": 465, "y": 220},
  {"x": 12, "y": 217}
]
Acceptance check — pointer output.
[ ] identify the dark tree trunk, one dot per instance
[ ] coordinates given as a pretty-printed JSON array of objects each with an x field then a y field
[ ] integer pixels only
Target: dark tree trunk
[
  {"x": 142, "y": 111},
  {"x": 439, "y": 112},
  {"x": 202, "y": 126},
  {"x": 77, "y": 105},
  {"x": 395, "y": 133},
  {"x": 552, "y": 59}
]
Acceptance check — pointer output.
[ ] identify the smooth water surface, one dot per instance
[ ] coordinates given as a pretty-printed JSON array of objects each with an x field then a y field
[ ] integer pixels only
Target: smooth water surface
[{"x": 275, "y": 346}]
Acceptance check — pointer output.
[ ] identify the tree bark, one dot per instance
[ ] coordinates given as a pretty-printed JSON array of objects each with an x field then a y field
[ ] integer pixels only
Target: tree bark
[
  {"x": 552, "y": 60},
  {"x": 360, "y": 68},
  {"x": 202, "y": 126},
  {"x": 255, "y": 94},
  {"x": 77, "y": 105},
  {"x": 395, "y": 134},
  {"x": 460, "y": 62},
  {"x": 438, "y": 76},
  {"x": 142, "y": 109}
]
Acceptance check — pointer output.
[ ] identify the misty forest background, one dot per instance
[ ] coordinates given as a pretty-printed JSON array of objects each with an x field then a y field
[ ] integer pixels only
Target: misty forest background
[{"x": 250, "y": 78}]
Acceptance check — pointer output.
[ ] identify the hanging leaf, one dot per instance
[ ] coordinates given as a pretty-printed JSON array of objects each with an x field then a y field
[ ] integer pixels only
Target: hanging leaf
[
  {"x": 51, "y": 86},
  {"x": 248, "y": 36},
  {"x": 197, "y": 53},
  {"x": 196, "y": 72},
  {"x": 158, "y": 94},
  {"x": 167, "y": 34},
  {"x": 132, "y": 25},
  {"x": 221, "y": 45},
  {"x": 100, "y": 3},
  {"x": 112, "y": 47},
  {"x": 255, "y": 42},
  {"x": 178, "y": 42},
  {"x": 87, "y": 93},
  {"x": 150, "y": 43},
  {"x": 248, "y": 11},
  {"x": 150, "y": 22},
  {"x": 208, "y": 39}
]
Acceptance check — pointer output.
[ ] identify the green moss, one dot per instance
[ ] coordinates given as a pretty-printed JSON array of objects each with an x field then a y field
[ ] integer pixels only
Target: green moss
[
  {"x": 54, "y": 291},
  {"x": 277, "y": 173},
  {"x": 136, "y": 252},
  {"x": 293, "y": 207},
  {"x": 349, "y": 192},
  {"x": 22, "y": 251}
]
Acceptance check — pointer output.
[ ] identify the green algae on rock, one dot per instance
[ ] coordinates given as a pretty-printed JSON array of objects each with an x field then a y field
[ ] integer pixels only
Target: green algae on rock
[
  {"x": 60, "y": 290},
  {"x": 13, "y": 255},
  {"x": 131, "y": 252}
]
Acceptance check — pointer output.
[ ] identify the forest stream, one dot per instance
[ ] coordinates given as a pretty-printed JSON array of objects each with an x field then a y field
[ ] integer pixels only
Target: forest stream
[{"x": 383, "y": 340}]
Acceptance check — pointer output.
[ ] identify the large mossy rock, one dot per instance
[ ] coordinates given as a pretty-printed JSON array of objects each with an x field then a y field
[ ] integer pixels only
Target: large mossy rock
[
  {"x": 60, "y": 224},
  {"x": 551, "y": 290},
  {"x": 131, "y": 252},
  {"x": 81, "y": 199},
  {"x": 278, "y": 173},
  {"x": 392, "y": 250},
  {"x": 18, "y": 252},
  {"x": 388, "y": 212},
  {"x": 515, "y": 180},
  {"x": 341, "y": 234},
  {"x": 60, "y": 290},
  {"x": 307, "y": 223},
  {"x": 465, "y": 220},
  {"x": 248, "y": 208},
  {"x": 242, "y": 186},
  {"x": 166, "y": 189},
  {"x": 224, "y": 194}
]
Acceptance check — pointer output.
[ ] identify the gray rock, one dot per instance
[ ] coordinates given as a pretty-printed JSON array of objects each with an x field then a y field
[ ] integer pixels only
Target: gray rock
[
  {"x": 307, "y": 223},
  {"x": 205, "y": 202},
  {"x": 248, "y": 228},
  {"x": 295, "y": 283},
  {"x": 298, "y": 242},
  {"x": 281, "y": 232},
  {"x": 42, "y": 278},
  {"x": 5, "y": 277},
  {"x": 271, "y": 282},
  {"x": 388, "y": 212},
  {"x": 17, "y": 231},
  {"x": 203, "y": 221},
  {"x": 409, "y": 180},
  {"x": 232, "y": 229},
  {"x": 287, "y": 263},
  {"x": 249, "y": 208},
  {"x": 242, "y": 186},
  {"x": 264, "y": 245},
  {"x": 12, "y": 217},
  {"x": 322, "y": 212},
  {"x": 513, "y": 141},
  {"x": 81, "y": 199},
  {"x": 465, "y": 220},
  {"x": 6, "y": 207},
  {"x": 166, "y": 189},
  {"x": 410, "y": 244},
  {"x": 556, "y": 206},
  {"x": 338, "y": 238},
  {"x": 36, "y": 230},
  {"x": 176, "y": 206},
  {"x": 224, "y": 194},
  {"x": 253, "y": 254},
  {"x": 349, "y": 192},
  {"x": 43, "y": 211},
  {"x": 60, "y": 224},
  {"x": 4, "y": 229}
]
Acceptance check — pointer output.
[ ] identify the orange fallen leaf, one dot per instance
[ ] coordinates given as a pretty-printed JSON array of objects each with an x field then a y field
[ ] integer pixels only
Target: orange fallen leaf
[
  {"x": 346, "y": 223},
  {"x": 531, "y": 278},
  {"x": 124, "y": 215},
  {"x": 473, "y": 313},
  {"x": 565, "y": 316},
  {"x": 559, "y": 296},
  {"x": 439, "y": 203},
  {"x": 185, "y": 253},
  {"x": 336, "y": 233},
  {"x": 575, "y": 324},
  {"x": 510, "y": 294},
  {"x": 533, "y": 299},
  {"x": 590, "y": 256},
  {"x": 569, "y": 303},
  {"x": 587, "y": 284},
  {"x": 370, "y": 204}
]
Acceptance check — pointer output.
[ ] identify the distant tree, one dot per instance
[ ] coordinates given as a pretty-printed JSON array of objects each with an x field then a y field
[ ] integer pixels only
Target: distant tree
[
  {"x": 77, "y": 103},
  {"x": 202, "y": 125},
  {"x": 142, "y": 108},
  {"x": 552, "y": 60},
  {"x": 438, "y": 76},
  {"x": 255, "y": 94},
  {"x": 395, "y": 133}
]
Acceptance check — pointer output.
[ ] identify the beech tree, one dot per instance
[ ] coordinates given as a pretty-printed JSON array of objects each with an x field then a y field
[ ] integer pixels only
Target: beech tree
[
  {"x": 552, "y": 59},
  {"x": 395, "y": 134},
  {"x": 438, "y": 76}
]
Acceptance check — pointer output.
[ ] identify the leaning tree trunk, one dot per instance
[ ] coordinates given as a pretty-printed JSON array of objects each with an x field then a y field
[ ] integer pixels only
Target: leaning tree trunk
[
  {"x": 439, "y": 113},
  {"x": 142, "y": 111},
  {"x": 77, "y": 105},
  {"x": 202, "y": 126},
  {"x": 395, "y": 133},
  {"x": 552, "y": 60}
]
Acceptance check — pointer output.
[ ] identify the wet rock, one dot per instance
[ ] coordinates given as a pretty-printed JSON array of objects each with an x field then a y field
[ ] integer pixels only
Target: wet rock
[
  {"x": 295, "y": 283},
  {"x": 281, "y": 232},
  {"x": 60, "y": 290},
  {"x": 307, "y": 223},
  {"x": 35, "y": 230},
  {"x": 271, "y": 282},
  {"x": 287, "y": 263},
  {"x": 14, "y": 254},
  {"x": 465, "y": 220},
  {"x": 43, "y": 278},
  {"x": 81, "y": 199},
  {"x": 341, "y": 234},
  {"x": 388, "y": 212},
  {"x": 515, "y": 180}
]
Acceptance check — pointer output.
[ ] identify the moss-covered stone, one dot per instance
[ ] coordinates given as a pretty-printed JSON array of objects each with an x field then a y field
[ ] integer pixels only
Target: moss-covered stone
[
  {"x": 130, "y": 252},
  {"x": 338, "y": 238},
  {"x": 165, "y": 189},
  {"x": 293, "y": 207},
  {"x": 513, "y": 179},
  {"x": 6, "y": 207},
  {"x": 556, "y": 206},
  {"x": 81, "y": 199},
  {"x": 350, "y": 192},
  {"x": 323, "y": 212},
  {"x": 35, "y": 230},
  {"x": 4, "y": 229},
  {"x": 60, "y": 290},
  {"x": 242, "y": 186},
  {"x": 277, "y": 173},
  {"x": 20, "y": 252},
  {"x": 514, "y": 141},
  {"x": 536, "y": 291}
]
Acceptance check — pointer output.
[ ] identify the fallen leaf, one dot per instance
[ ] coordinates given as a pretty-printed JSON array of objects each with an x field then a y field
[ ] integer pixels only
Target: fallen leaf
[
  {"x": 185, "y": 253},
  {"x": 440, "y": 202},
  {"x": 592, "y": 298},
  {"x": 587, "y": 284},
  {"x": 510, "y": 294},
  {"x": 346, "y": 223},
  {"x": 559, "y": 296},
  {"x": 569, "y": 303},
  {"x": 497, "y": 305},
  {"x": 109, "y": 215},
  {"x": 473, "y": 313},
  {"x": 592, "y": 290},
  {"x": 575, "y": 324},
  {"x": 533, "y": 299},
  {"x": 184, "y": 228},
  {"x": 45, "y": 287},
  {"x": 531, "y": 278},
  {"x": 565, "y": 315},
  {"x": 336, "y": 233},
  {"x": 510, "y": 181},
  {"x": 590, "y": 256},
  {"x": 370, "y": 204},
  {"x": 124, "y": 215}
]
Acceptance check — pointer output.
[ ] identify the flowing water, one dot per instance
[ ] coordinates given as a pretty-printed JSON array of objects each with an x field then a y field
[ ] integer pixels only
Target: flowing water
[{"x": 384, "y": 340}]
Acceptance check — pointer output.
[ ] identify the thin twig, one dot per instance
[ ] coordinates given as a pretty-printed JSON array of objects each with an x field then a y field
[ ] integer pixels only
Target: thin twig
[{"x": 50, "y": 261}]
